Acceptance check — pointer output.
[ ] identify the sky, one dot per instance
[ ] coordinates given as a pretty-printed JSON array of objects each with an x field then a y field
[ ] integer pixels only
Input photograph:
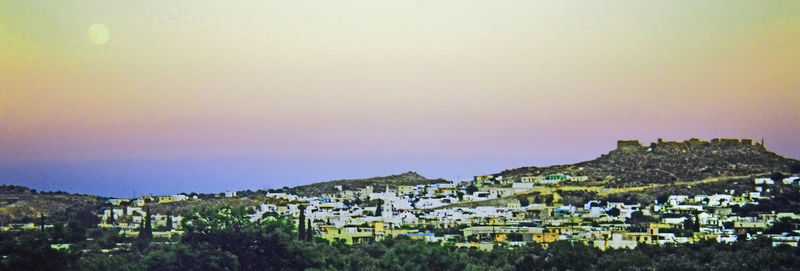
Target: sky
[{"x": 124, "y": 98}]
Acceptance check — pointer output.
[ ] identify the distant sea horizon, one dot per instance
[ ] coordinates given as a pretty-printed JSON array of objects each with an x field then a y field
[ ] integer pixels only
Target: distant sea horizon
[{"x": 129, "y": 178}]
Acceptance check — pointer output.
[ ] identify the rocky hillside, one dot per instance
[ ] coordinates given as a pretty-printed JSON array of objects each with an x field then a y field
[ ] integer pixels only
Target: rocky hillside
[
  {"x": 378, "y": 183},
  {"x": 21, "y": 204},
  {"x": 633, "y": 164}
]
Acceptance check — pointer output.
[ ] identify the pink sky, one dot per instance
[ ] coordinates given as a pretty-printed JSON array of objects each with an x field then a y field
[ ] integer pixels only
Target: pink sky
[{"x": 449, "y": 88}]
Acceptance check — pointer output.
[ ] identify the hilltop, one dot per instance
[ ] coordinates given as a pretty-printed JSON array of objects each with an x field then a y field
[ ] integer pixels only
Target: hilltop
[
  {"x": 21, "y": 204},
  {"x": 664, "y": 162},
  {"x": 666, "y": 167},
  {"x": 378, "y": 183}
]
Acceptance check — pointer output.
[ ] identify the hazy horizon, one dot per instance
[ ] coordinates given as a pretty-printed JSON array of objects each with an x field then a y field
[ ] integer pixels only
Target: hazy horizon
[
  {"x": 106, "y": 97},
  {"x": 131, "y": 178}
]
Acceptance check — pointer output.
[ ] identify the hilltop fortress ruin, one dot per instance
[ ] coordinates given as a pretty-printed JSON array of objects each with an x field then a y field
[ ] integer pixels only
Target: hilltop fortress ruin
[
  {"x": 661, "y": 146},
  {"x": 663, "y": 162}
]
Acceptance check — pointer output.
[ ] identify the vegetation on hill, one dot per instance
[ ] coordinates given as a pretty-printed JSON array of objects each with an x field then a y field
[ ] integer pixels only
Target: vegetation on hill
[
  {"x": 632, "y": 164},
  {"x": 225, "y": 239},
  {"x": 20, "y": 204},
  {"x": 378, "y": 183}
]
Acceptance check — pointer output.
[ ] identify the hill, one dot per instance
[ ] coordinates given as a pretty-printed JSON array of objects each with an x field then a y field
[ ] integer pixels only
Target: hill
[
  {"x": 378, "y": 183},
  {"x": 20, "y": 204},
  {"x": 665, "y": 162}
]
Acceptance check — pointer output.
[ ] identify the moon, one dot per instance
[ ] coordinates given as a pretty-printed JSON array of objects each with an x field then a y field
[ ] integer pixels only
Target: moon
[{"x": 98, "y": 34}]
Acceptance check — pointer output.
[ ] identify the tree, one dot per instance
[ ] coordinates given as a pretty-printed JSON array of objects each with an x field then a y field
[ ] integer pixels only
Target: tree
[
  {"x": 32, "y": 251},
  {"x": 379, "y": 209},
  {"x": 613, "y": 212},
  {"x": 524, "y": 202},
  {"x": 74, "y": 232},
  {"x": 110, "y": 219},
  {"x": 639, "y": 218},
  {"x": 417, "y": 255},
  {"x": 146, "y": 233},
  {"x": 227, "y": 234},
  {"x": 784, "y": 225},
  {"x": 169, "y": 221},
  {"x": 794, "y": 168},
  {"x": 471, "y": 189},
  {"x": 309, "y": 231},
  {"x": 777, "y": 176},
  {"x": 301, "y": 224},
  {"x": 565, "y": 255}
]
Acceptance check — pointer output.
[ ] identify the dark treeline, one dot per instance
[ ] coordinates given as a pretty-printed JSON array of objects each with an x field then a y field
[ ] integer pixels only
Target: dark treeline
[{"x": 225, "y": 239}]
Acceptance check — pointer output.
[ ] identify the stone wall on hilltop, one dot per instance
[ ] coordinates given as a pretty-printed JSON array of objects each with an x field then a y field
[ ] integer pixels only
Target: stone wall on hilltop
[
  {"x": 628, "y": 146},
  {"x": 632, "y": 164}
]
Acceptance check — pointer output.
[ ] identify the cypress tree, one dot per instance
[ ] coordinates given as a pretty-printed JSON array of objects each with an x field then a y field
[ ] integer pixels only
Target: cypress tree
[
  {"x": 696, "y": 224},
  {"x": 379, "y": 210},
  {"x": 110, "y": 219},
  {"x": 309, "y": 231},
  {"x": 147, "y": 228},
  {"x": 301, "y": 226},
  {"x": 169, "y": 221}
]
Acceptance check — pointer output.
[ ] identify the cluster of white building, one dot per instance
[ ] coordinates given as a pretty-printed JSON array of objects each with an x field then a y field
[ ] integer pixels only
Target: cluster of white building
[{"x": 426, "y": 212}]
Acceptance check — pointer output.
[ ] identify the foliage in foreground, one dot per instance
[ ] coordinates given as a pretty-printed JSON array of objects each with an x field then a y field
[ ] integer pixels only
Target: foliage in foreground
[{"x": 225, "y": 239}]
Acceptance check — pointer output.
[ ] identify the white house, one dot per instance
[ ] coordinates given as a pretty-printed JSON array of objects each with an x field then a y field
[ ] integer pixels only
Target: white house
[
  {"x": 522, "y": 187},
  {"x": 764, "y": 181},
  {"x": 548, "y": 182},
  {"x": 530, "y": 179},
  {"x": 673, "y": 220},
  {"x": 578, "y": 178},
  {"x": 499, "y": 192},
  {"x": 790, "y": 180},
  {"x": 616, "y": 242},
  {"x": 719, "y": 200},
  {"x": 677, "y": 199}
]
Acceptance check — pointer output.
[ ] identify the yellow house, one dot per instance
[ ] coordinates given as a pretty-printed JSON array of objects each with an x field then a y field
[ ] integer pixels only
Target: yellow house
[
  {"x": 545, "y": 237},
  {"x": 698, "y": 236},
  {"x": 381, "y": 229},
  {"x": 560, "y": 230},
  {"x": 496, "y": 234},
  {"x": 642, "y": 237},
  {"x": 405, "y": 189},
  {"x": 653, "y": 227},
  {"x": 496, "y": 220},
  {"x": 350, "y": 235},
  {"x": 164, "y": 199},
  {"x": 484, "y": 177},
  {"x": 480, "y": 180},
  {"x": 500, "y": 237}
]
